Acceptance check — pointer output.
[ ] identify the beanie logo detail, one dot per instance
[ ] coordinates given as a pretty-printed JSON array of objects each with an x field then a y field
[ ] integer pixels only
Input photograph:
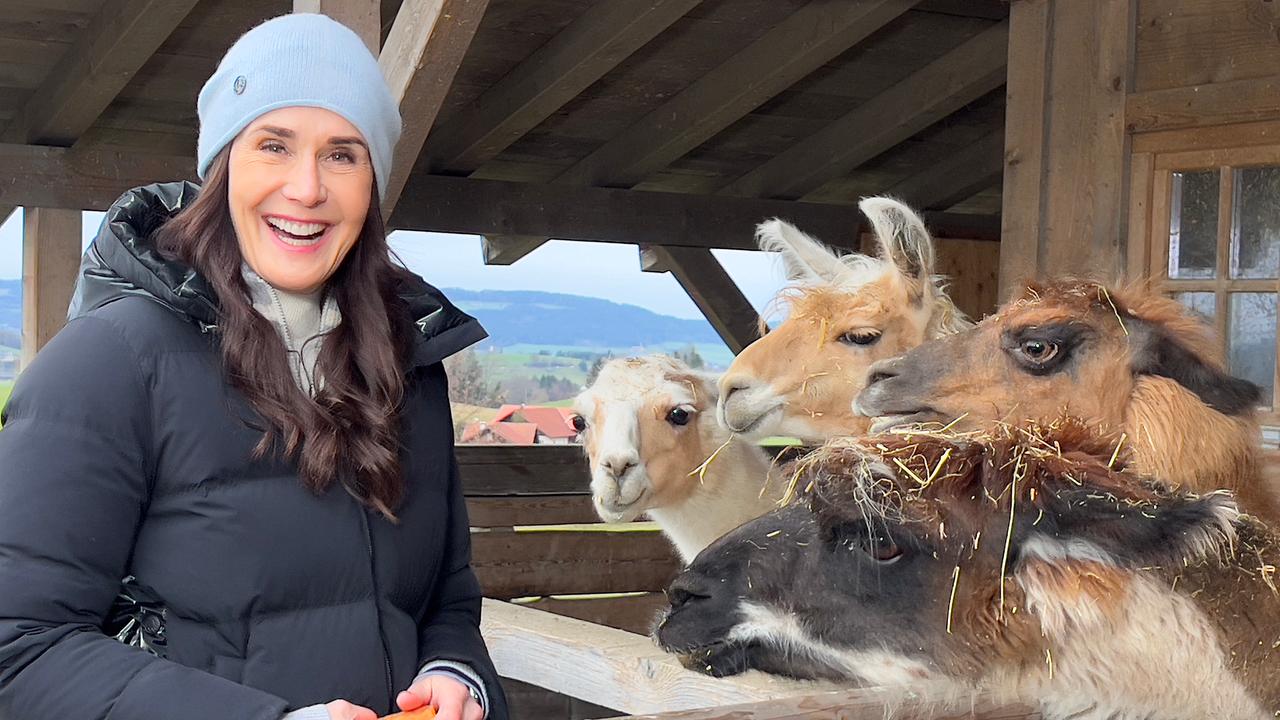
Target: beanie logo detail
[{"x": 239, "y": 84}]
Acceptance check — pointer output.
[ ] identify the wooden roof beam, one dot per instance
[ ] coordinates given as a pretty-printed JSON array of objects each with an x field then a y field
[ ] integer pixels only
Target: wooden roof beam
[
  {"x": 88, "y": 179},
  {"x": 419, "y": 61},
  {"x": 930, "y": 94},
  {"x": 596, "y": 42},
  {"x": 957, "y": 177},
  {"x": 811, "y": 37},
  {"x": 495, "y": 208},
  {"x": 117, "y": 42}
]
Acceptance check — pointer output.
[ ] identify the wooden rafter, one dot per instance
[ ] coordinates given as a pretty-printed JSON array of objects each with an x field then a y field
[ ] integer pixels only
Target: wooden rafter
[
  {"x": 809, "y": 38},
  {"x": 423, "y": 51},
  {"x": 85, "y": 179},
  {"x": 506, "y": 249},
  {"x": 802, "y": 43},
  {"x": 592, "y": 45},
  {"x": 117, "y": 41},
  {"x": 955, "y": 178},
  {"x": 940, "y": 88},
  {"x": 496, "y": 207}
]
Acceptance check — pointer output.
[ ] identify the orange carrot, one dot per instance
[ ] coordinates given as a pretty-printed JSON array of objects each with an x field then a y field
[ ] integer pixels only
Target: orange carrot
[{"x": 426, "y": 712}]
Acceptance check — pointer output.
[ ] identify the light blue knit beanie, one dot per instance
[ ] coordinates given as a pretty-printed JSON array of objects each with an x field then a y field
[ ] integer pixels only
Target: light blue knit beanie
[{"x": 303, "y": 59}]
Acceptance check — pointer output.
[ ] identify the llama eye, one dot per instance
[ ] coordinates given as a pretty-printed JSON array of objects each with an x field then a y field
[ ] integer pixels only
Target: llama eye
[
  {"x": 860, "y": 337},
  {"x": 579, "y": 423},
  {"x": 882, "y": 549},
  {"x": 678, "y": 416},
  {"x": 1039, "y": 351}
]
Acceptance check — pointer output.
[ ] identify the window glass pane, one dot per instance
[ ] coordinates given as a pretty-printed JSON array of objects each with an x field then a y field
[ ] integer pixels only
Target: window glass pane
[
  {"x": 1255, "y": 223},
  {"x": 1252, "y": 333},
  {"x": 1193, "y": 225},
  {"x": 1203, "y": 304}
]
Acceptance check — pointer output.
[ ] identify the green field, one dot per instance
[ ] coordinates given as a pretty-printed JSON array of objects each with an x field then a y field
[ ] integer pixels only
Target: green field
[{"x": 507, "y": 365}]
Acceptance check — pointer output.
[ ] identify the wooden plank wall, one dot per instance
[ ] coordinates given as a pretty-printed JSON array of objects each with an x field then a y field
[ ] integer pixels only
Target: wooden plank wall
[{"x": 520, "y": 500}]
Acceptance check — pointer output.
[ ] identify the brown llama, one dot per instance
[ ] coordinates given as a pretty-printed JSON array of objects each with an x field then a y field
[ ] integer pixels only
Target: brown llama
[
  {"x": 1026, "y": 563},
  {"x": 1126, "y": 360},
  {"x": 846, "y": 312}
]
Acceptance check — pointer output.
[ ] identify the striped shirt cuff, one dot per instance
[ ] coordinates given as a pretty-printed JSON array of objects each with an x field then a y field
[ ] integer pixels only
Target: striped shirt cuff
[{"x": 460, "y": 672}]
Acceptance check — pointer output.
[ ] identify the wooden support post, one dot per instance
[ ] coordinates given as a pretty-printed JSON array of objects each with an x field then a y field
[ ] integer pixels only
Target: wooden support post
[
  {"x": 362, "y": 16},
  {"x": 1066, "y": 170},
  {"x": 50, "y": 260}
]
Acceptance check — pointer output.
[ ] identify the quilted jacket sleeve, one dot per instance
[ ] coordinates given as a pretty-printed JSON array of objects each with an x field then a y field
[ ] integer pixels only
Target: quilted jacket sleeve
[
  {"x": 75, "y": 463},
  {"x": 451, "y": 630}
]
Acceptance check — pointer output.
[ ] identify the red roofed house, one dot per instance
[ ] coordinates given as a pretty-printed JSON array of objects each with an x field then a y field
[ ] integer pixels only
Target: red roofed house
[{"x": 524, "y": 425}]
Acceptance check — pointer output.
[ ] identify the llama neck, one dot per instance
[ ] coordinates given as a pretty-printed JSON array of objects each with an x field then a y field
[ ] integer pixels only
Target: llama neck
[
  {"x": 1180, "y": 440},
  {"x": 728, "y": 495}
]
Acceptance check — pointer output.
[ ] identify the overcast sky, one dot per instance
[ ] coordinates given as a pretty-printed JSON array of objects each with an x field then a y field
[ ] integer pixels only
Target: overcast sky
[{"x": 601, "y": 270}]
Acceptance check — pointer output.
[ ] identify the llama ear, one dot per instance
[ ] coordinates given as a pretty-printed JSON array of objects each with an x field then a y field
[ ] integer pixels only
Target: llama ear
[
  {"x": 1157, "y": 353},
  {"x": 902, "y": 236},
  {"x": 807, "y": 261},
  {"x": 1084, "y": 523}
]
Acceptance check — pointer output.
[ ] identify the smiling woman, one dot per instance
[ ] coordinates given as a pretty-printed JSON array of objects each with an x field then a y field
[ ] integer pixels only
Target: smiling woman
[
  {"x": 299, "y": 188},
  {"x": 229, "y": 481}
]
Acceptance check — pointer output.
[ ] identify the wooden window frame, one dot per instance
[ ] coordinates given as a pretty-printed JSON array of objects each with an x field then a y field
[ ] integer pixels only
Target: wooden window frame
[{"x": 1156, "y": 157}]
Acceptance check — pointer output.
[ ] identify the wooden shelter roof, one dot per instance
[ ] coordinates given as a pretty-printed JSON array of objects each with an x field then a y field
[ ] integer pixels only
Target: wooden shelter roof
[
  {"x": 672, "y": 123},
  {"x": 592, "y": 133}
]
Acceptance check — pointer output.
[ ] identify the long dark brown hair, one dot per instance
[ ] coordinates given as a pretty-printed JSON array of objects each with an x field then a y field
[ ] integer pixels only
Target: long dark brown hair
[{"x": 349, "y": 431}]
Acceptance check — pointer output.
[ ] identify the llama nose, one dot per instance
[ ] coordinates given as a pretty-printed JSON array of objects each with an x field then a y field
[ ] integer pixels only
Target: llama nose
[
  {"x": 618, "y": 465},
  {"x": 731, "y": 385},
  {"x": 685, "y": 589},
  {"x": 882, "y": 370}
]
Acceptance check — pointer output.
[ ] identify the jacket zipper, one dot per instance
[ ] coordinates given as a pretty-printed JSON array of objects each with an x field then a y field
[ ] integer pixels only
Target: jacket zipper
[{"x": 377, "y": 608}]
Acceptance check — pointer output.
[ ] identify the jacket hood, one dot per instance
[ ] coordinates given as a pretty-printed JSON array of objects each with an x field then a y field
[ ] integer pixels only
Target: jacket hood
[{"x": 123, "y": 261}]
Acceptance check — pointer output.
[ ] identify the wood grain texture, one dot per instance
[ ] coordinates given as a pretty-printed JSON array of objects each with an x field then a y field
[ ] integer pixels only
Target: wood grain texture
[
  {"x": 592, "y": 45},
  {"x": 612, "y": 667},
  {"x": 1222, "y": 103},
  {"x": 803, "y": 42},
  {"x": 520, "y": 564},
  {"x": 942, "y": 87},
  {"x": 1182, "y": 43},
  {"x": 119, "y": 38},
  {"x": 633, "y": 613},
  {"x": 1024, "y": 143},
  {"x": 495, "y": 207},
  {"x": 50, "y": 266},
  {"x": 427, "y": 43},
  {"x": 559, "y": 509}
]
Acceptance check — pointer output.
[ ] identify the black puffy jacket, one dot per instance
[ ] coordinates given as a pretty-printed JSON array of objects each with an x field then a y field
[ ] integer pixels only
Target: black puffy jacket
[{"x": 124, "y": 452}]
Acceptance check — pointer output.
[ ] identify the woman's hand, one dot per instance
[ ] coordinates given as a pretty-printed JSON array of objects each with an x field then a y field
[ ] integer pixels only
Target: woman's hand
[
  {"x": 343, "y": 710},
  {"x": 451, "y": 699}
]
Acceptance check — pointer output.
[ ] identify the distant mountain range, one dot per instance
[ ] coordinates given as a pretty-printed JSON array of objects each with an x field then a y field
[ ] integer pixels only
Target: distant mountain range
[{"x": 518, "y": 317}]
